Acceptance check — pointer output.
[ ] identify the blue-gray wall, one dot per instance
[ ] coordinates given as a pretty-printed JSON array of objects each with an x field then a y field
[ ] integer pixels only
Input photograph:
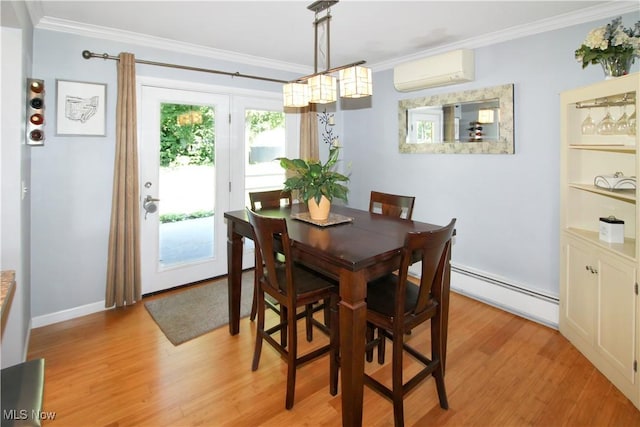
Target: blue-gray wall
[
  {"x": 507, "y": 206},
  {"x": 73, "y": 176}
]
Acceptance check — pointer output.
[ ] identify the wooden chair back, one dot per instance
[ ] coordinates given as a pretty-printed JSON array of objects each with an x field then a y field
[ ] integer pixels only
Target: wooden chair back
[
  {"x": 272, "y": 237},
  {"x": 271, "y": 199},
  {"x": 434, "y": 250},
  {"x": 391, "y": 204}
]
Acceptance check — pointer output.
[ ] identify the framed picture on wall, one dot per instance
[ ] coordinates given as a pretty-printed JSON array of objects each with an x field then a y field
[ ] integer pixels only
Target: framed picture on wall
[{"x": 80, "y": 108}]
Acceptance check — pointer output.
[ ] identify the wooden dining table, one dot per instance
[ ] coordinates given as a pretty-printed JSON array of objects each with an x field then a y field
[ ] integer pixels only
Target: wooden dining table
[{"x": 365, "y": 247}]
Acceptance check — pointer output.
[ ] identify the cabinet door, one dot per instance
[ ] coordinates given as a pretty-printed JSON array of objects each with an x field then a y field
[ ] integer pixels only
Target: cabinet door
[
  {"x": 616, "y": 314},
  {"x": 579, "y": 305}
]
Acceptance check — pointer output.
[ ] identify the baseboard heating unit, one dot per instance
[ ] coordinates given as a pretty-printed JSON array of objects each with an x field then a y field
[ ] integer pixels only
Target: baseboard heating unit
[{"x": 513, "y": 298}]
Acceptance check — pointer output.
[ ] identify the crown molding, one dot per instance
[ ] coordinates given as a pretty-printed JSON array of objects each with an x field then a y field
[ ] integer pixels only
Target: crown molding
[
  {"x": 589, "y": 14},
  {"x": 34, "y": 9},
  {"x": 558, "y": 22},
  {"x": 105, "y": 33}
]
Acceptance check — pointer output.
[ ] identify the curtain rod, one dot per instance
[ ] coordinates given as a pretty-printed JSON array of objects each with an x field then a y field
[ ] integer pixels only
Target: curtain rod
[{"x": 86, "y": 54}]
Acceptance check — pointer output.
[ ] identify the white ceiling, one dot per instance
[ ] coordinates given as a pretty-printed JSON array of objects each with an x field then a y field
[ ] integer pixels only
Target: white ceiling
[{"x": 380, "y": 32}]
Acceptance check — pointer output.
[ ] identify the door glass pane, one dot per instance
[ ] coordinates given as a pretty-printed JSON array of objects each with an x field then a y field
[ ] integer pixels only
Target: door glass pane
[
  {"x": 186, "y": 183},
  {"x": 264, "y": 142}
]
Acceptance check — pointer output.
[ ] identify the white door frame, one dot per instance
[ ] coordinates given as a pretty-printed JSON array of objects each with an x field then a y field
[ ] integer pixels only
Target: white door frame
[
  {"x": 234, "y": 152},
  {"x": 157, "y": 277}
]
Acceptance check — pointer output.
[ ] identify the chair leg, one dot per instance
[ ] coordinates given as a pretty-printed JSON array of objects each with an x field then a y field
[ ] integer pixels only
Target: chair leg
[
  {"x": 442, "y": 392},
  {"x": 283, "y": 331},
  {"x": 397, "y": 389},
  {"x": 292, "y": 356},
  {"x": 436, "y": 354},
  {"x": 370, "y": 336},
  {"x": 327, "y": 313},
  {"x": 334, "y": 337},
  {"x": 381, "y": 347},
  {"x": 398, "y": 413},
  {"x": 259, "y": 330},
  {"x": 309, "y": 321},
  {"x": 254, "y": 304}
]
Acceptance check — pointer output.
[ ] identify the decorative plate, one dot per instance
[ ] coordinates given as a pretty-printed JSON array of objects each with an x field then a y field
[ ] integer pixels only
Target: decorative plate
[{"x": 615, "y": 182}]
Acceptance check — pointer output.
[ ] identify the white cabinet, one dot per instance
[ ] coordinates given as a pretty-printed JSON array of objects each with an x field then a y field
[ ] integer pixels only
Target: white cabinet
[
  {"x": 581, "y": 282},
  {"x": 599, "y": 310}
]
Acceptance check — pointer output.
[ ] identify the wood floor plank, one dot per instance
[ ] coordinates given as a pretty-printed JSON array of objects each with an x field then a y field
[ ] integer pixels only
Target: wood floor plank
[{"x": 116, "y": 368}]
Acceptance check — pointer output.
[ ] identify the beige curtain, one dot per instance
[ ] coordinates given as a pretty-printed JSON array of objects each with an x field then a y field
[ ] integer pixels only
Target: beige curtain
[
  {"x": 123, "y": 265},
  {"x": 309, "y": 134}
]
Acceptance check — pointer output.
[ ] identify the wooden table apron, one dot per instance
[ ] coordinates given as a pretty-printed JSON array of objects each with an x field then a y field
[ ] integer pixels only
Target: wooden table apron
[{"x": 354, "y": 253}]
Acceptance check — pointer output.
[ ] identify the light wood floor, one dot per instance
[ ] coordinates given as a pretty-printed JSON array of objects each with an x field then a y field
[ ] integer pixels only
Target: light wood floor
[{"x": 116, "y": 368}]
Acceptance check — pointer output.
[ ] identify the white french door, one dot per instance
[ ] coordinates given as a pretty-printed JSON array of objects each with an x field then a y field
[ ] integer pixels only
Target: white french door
[
  {"x": 184, "y": 178},
  {"x": 260, "y": 132}
]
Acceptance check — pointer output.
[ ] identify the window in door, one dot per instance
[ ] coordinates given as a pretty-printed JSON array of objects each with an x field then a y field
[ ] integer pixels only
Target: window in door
[
  {"x": 186, "y": 182},
  {"x": 264, "y": 135}
]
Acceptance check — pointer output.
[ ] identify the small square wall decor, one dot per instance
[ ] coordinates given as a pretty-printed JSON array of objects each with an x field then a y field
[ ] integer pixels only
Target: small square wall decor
[{"x": 80, "y": 108}]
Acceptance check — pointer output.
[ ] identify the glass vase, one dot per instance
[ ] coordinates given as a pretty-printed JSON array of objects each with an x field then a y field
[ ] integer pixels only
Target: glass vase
[{"x": 616, "y": 67}]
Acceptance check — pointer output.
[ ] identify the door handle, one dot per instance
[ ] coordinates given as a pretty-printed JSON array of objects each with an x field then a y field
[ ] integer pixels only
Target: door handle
[
  {"x": 150, "y": 199},
  {"x": 149, "y": 205}
]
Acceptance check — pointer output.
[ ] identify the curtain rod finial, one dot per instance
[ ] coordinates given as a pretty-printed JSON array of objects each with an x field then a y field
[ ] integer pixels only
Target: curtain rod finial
[{"x": 86, "y": 54}]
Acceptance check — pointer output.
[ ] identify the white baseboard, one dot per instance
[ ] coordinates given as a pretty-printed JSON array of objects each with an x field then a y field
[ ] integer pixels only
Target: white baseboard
[
  {"x": 71, "y": 313},
  {"x": 513, "y": 298},
  {"x": 83, "y": 310},
  {"x": 466, "y": 281}
]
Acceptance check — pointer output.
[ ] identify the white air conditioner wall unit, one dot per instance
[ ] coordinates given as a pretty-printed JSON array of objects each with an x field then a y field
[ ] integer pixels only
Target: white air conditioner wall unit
[{"x": 448, "y": 68}]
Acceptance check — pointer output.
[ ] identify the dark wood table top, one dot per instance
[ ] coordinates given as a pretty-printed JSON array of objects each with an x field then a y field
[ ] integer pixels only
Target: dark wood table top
[{"x": 354, "y": 245}]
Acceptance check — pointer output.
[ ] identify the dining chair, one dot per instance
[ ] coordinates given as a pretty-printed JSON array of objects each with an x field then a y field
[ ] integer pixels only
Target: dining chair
[
  {"x": 274, "y": 199},
  {"x": 292, "y": 286},
  {"x": 396, "y": 305},
  {"x": 270, "y": 199},
  {"x": 391, "y": 204}
]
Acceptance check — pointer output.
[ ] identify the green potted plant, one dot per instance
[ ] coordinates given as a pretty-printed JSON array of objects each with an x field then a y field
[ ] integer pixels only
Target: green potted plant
[{"x": 316, "y": 183}]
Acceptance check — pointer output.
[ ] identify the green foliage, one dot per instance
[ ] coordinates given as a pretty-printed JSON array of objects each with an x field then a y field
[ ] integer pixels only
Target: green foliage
[
  {"x": 259, "y": 121},
  {"x": 312, "y": 179},
  {"x": 195, "y": 141},
  {"x": 174, "y": 217}
]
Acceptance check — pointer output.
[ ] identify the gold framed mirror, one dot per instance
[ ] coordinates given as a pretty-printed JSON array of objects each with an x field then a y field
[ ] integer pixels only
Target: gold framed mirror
[{"x": 477, "y": 121}]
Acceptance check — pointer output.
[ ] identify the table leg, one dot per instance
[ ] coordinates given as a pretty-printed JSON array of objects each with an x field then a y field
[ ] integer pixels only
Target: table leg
[
  {"x": 353, "y": 319},
  {"x": 234, "y": 276}
]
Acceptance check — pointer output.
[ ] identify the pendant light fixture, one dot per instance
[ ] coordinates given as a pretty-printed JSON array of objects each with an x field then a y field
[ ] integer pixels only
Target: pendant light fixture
[
  {"x": 296, "y": 94},
  {"x": 321, "y": 87}
]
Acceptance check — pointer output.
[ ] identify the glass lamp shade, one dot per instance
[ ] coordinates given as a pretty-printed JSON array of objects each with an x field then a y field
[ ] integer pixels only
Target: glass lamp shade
[
  {"x": 323, "y": 89},
  {"x": 485, "y": 116},
  {"x": 295, "y": 95},
  {"x": 355, "y": 82}
]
